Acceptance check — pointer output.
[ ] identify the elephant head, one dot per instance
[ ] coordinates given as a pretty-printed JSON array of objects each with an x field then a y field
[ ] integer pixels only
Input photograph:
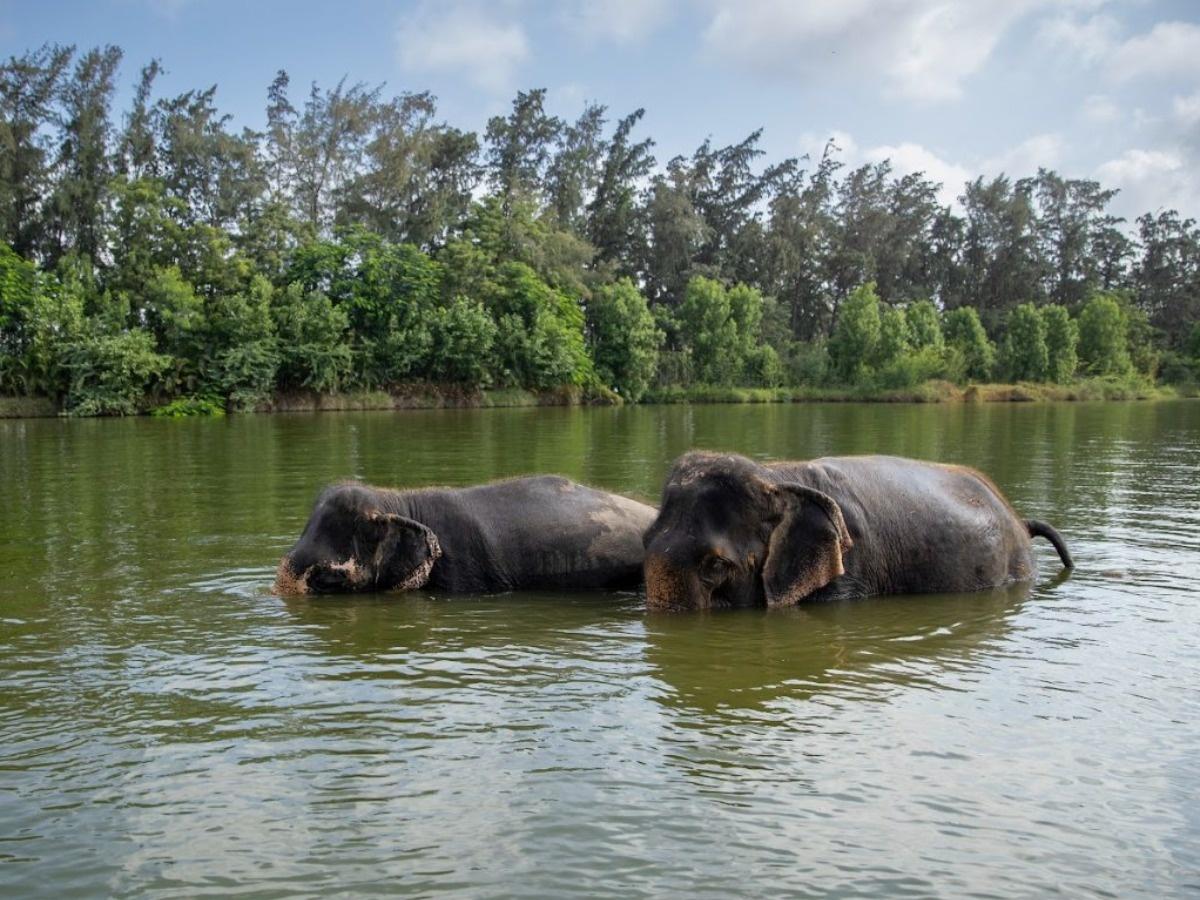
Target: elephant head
[
  {"x": 730, "y": 535},
  {"x": 352, "y": 542}
]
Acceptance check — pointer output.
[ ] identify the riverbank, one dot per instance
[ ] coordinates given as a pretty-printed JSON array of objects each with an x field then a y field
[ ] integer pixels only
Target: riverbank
[
  {"x": 429, "y": 396},
  {"x": 929, "y": 392}
]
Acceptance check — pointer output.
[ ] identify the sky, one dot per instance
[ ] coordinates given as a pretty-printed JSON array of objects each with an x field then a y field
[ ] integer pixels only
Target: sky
[{"x": 1103, "y": 89}]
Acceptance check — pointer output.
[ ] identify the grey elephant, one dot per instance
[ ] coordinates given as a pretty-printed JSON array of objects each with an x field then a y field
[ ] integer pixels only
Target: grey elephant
[
  {"x": 537, "y": 532},
  {"x": 734, "y": 532}
]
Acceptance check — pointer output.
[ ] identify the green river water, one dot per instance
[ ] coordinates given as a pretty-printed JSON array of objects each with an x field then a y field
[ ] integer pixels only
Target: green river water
[{"x": 169, "y": 728}]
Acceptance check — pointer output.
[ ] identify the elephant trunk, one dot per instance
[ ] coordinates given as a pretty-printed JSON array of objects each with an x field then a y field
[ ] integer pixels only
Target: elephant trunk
[
  {"x": 289, "y": 582},
  {"x": 670, "y": 586}
]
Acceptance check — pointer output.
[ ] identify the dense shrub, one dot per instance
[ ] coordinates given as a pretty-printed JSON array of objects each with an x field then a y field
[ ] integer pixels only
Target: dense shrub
[
  {"x": 1024, "y": 356},
  {"x": 1103, "y": 338},
  {"x": 624, "y": 338},
  {"x": 965, "y": 334},
  {"x": 856, "y": 336}
]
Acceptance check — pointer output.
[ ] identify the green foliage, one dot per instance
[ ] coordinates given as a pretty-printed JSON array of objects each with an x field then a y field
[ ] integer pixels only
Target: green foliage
[
  {"x": 809, "y": 363},
  {"x": 856, "y": 338},
  {"x": 540, "y": 339},
  {"x": 895, "y": 338},
  {"x": 1103, "y": 337},
  {"x": 313, "y": 352},
  {"x": 1024, "y": 354},
  {"x": 924, "y": 326},
  {"x": 110, "y": 373},
  {"x": 707, "y": 326},
  {"x": 722, "y": 330},
  {"x": 967, "y": 339},
  {"x": 184, "y": 407},
  {"x": 625, "y": 339},
  {"x": 1062, "y": 340},
  {"x": 243, "y": 352},
  {"x": 358, "y": 243},
  {"x": 911, "y": 368},
  {"x": 464, "y": 336}
]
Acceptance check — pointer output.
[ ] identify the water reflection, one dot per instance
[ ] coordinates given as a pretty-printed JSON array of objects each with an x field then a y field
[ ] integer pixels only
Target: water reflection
[{"x": 720, "y": 663}]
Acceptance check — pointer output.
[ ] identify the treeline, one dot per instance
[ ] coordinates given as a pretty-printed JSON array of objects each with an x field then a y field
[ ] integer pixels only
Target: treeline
[{"x": 359, "y": 242}]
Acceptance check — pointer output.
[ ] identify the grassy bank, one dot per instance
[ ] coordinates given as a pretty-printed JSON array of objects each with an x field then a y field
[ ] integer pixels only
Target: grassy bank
[
  {"x": 427, "y": 396},
  {"x": 929, "y": 392},
  {"x": 415, "y": 396}
]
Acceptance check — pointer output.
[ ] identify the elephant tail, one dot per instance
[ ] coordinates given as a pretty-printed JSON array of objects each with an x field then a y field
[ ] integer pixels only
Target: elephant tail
[{"x": 1041, "y": 529}]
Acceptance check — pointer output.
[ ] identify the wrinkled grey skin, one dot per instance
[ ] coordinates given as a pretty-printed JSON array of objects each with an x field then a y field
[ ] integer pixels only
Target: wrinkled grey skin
[
  {"x": 537, "y": 532},
  {"x": 734, "y": 532}
]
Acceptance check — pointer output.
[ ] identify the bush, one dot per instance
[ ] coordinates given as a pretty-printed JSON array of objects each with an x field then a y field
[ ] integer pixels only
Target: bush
[
  {"x": 964, "y": 333},
  {"x": 464, "y": 336},
  {"x": 1062, "y": 338},
  {"x": 184, "y": 407},
  {"x": 1103, "y": 339},
  {"x": 911, "y": 369},
  {"x": 763, "y": 367},
  {"x": 925, "y": 329},
  {"x": 109, "y": 374},
  {"x": 856, "y": 336},
  {"x": 894, "y": 337},
  {"x": 313, "y": 352},
  {"x": 1024, "y": 355},
  {"x": 625, "y": 339},
  {"x": 808, "y": 363}
]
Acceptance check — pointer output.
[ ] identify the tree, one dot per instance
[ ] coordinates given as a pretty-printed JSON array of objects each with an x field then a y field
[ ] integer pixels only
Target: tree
[
  {"x": 29, "y": 86},
  {"x": 1062, "y": 339},
  {"x": 1024, "y": 353},
  {"x": 709, "y": 330},
  {"x": 520, "y": 147},
  {"x": 83, "y": 164},
  {"x": 1166, "y": 277},
  {"x": 624, "y": 338},
  {"x": 313, "y": 156},
  {"x": 463, "y": 336},
  {"x": 418, "y": 175},
  {"x": 856, "y": 337},
  {"x": 966, "y": 337},
  {"x": 1103, "y": 339},
  {"x": 924, "y": 326},
  {"x": 1002, "y": 261},
  {"x": 574, "y": 169},
  {"x": 613, "y": 225},
  {"x": 895, "y": 339},
  {"x": 313, "y": 348}
]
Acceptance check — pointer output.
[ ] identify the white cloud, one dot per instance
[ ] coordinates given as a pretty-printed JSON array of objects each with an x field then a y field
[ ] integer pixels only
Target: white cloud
[
  {"x": 464, "y": 39},
  {"x": 908, "y": 158},
  {"x": 1090, "y": 39},
  {"x": 1150, "y": 180},
  {"x": 1045, "y": 150},
  {"x": 1099, "y": 109},
  {"x": 623, "y": 21},
  {"x": 923, "y": 49},
  {"x": 1186, "y": 110},
  {"x": 1169, "y": 48}
]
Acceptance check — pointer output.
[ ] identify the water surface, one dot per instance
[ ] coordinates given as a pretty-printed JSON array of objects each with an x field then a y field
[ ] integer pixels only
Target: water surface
[{"x": 169, "y": 728}]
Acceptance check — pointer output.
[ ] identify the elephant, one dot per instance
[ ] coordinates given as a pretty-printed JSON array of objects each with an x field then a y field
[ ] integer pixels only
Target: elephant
[
  {"x": 534, "y": 532},
  {"x": 735, "y": 532}
]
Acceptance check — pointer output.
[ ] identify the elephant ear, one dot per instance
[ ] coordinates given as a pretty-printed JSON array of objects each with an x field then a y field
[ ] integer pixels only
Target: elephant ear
[
  {"x": 805, "y": 549},
  {"x": 401, "y": 551}
]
